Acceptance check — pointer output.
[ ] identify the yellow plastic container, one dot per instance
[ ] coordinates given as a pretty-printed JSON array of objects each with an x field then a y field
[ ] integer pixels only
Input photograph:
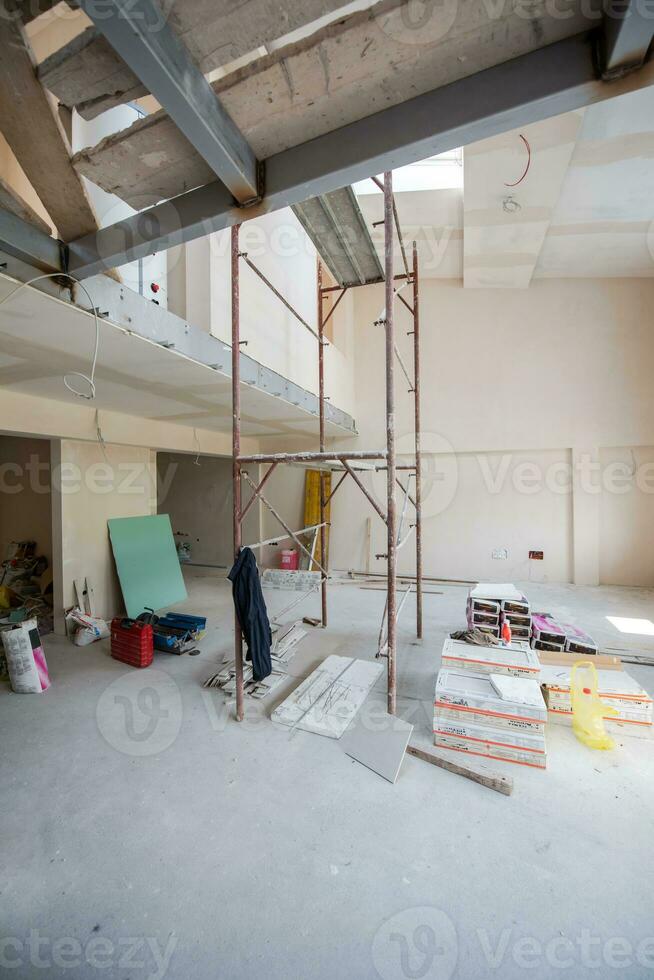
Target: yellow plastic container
[{"x": 588, "y": 710}]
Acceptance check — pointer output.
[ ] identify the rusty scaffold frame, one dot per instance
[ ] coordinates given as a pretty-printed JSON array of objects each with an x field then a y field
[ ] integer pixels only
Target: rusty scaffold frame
[{"x": 348, "y": 463}]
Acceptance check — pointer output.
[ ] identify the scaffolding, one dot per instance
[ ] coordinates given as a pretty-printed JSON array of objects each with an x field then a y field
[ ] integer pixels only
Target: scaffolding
[{"x": 346, "y": 463}]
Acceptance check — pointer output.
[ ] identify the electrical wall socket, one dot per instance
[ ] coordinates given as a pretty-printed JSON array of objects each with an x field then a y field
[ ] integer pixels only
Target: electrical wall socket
[{"x": 500, "y": 553}]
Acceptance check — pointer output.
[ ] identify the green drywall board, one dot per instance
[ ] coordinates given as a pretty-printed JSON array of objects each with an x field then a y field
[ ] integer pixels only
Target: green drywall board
[{"x": 147, "y": 562}]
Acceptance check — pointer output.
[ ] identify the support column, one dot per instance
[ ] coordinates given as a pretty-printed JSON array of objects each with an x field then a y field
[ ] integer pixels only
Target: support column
[
  {"x": 236, "y": 451},
  {"x": 57, "y": 513},
  {"x": 390, "y": 439},
  {"x": 321, "y": 402},
  {"x": 586, "y": 495},
  {"x": 416, "y": 395}
]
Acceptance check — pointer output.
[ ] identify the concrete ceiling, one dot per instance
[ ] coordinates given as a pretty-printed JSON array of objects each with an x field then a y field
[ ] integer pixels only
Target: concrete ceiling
[
  {"x": 585, "y": 208},
  {"x": 43, "y": 338},
  {"x": 348, "y": 70}
]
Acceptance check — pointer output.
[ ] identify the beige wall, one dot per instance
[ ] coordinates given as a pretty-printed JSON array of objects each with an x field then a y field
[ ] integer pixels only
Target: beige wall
[
  {"x": 30, "y": 415},
  {"x": 530, "y": 381},
  {"x": 279, "y": 247},
  {"x": 626, "y": 516},
  {"x": 90, "y": 486},
  {"x": 196, "y": 491},
  {"x": 25, "y": 493}
]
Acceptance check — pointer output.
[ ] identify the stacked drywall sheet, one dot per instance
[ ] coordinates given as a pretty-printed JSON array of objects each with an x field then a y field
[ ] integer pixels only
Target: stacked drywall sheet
[
  {"x": 491, "y": 604},
  {"x": 517, "y": 659},
  {"x": 281, "y": 578},
  {"x": 327, "y": 701},
  {"x": 493, "y": 715},
  {"x": 616, "y": 689}
]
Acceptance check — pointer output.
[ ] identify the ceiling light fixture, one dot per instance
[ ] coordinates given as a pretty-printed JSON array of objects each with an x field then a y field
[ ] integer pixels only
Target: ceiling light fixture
[{"x": 510, "y": 205}]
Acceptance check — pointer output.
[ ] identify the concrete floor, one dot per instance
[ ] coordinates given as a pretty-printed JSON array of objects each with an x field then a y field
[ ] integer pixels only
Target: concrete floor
[{"x": 146, "y": 834}]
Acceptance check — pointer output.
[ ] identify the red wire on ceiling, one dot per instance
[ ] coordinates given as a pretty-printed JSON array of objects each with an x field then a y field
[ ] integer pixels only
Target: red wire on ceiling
[{"x": 526, "y": 170}]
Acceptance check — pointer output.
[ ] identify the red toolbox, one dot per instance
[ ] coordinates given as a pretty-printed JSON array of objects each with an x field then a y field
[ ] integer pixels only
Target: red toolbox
[{"x": 132, "y": 642}]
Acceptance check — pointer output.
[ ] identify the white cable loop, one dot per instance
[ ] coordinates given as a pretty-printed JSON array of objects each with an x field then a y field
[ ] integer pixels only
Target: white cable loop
[{"x": 87, "y": 379}]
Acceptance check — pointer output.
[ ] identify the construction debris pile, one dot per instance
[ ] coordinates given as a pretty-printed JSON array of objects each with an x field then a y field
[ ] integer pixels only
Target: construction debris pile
[
  {"x": 26, "y": 587},
  {"x": 285, "y": 640}
]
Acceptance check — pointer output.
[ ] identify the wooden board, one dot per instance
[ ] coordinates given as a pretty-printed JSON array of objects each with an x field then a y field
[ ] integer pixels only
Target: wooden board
[
  {"x": 492, "y": 780},
  {"x": 562, "y": 659},
  {"x": 31, "y": 128}
]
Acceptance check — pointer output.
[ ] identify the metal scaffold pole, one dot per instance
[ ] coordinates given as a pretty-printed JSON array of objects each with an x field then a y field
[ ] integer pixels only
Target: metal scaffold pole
[
  {"x": 321, "y": 400},
  {"x": 416, "y": 395},
  {"x": 390, "y": 440},
  {"x": 236, "y": 452}
]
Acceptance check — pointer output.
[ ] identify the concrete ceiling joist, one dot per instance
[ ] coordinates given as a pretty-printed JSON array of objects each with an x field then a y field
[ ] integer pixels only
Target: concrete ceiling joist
[
  {"x": 135, "y": 30},
  {"x": 340, "y": 74},
  {"x": 546, "y": 82},
  {"x": 29, "y": 124},
  {"x": 87, "y": 74},
  {"x": 628, "y": 33}
]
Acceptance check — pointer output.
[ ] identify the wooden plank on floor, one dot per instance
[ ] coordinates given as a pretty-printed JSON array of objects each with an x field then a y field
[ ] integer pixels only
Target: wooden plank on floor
[
  {"x": 343, "y": 72},
  {"x": 30, "y": 126},
  {"x": 492, "y": 780}
]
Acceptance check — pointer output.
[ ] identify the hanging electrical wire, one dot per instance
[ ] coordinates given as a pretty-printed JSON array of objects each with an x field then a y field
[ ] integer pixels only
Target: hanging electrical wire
[
  {"x": 88, "y": 379},
  {"x": 526, "y": 170}
]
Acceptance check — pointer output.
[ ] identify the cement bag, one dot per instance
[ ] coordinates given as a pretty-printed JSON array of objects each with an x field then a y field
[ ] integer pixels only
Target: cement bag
[
  {"x": 88, "y": 629},
  {"x": 28, "y": 671}
]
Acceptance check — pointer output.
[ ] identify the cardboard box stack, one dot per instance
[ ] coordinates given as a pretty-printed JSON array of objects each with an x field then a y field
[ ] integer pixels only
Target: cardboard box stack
[
  {"x": 490, "y": 605},
  {"x": 488, "y": 700},
  {"x": 518, "y": 615},
  {"x": 517, "y": 660},
  {"x": 484, "y": 615},
  {"x": 615, "y": 687},
  {"x": 548, "y": 634}
]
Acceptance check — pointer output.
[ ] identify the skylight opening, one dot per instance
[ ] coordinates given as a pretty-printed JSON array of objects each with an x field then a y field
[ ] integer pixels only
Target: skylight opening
[{"x": 441, "y": 172}]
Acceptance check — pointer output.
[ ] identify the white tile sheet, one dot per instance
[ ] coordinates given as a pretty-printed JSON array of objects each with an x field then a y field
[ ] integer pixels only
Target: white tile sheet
[{"x": 327, "y": 701}]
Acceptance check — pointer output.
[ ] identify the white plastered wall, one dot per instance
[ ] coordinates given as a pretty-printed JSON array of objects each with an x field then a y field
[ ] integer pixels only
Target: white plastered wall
[
  {"x": 524, "y": 392},
  {"x": 279, "y": 247},
  {"x": 91, "y": 485},
  {"x": 196, "y": 492},
  {"x": 96, "y": 487}
]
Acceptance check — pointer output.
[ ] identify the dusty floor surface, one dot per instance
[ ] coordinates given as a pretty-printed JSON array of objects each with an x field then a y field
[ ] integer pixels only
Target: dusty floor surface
[{"x": 145, "y": 834}]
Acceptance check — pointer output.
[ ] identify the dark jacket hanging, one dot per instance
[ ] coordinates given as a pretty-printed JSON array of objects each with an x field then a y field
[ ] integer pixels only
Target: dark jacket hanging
[{"x": 251, "y": 612}]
